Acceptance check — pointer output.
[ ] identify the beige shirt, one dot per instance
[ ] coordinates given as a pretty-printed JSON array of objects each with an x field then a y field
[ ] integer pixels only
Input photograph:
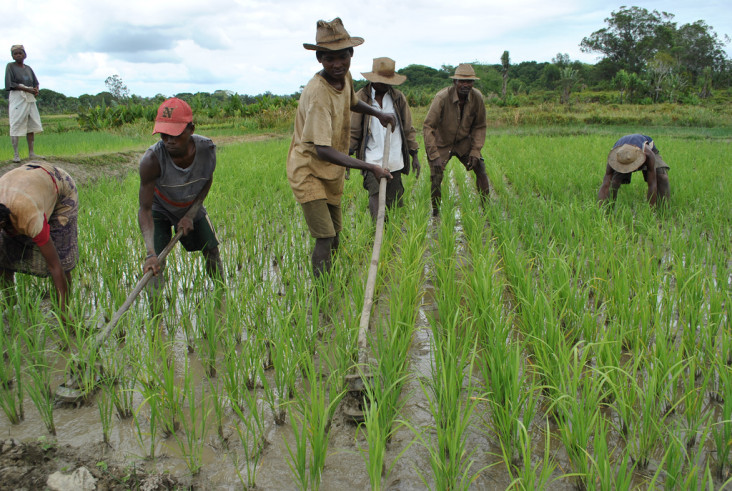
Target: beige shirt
[
  {"x": 29, "y": 194},
  {"x": 323, "y": 118},
  {"x": 445, "y": 131}
]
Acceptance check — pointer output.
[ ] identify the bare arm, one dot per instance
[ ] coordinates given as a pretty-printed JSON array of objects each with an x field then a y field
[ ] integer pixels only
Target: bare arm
[
  {"x": 330, "y": 154},
  {"x": 651, "y": 175},
  {"x": 477, "y": 132},
  {"x": 429, "y": 128},
  {"x": 605, "y": 186},
  {"x": 48, "y": 250},
  {"x": 410, "y": 134},
  {"x": 384, "y": 118},
  {"x": 149, "y": 173},
  {"x": 186, "y": 223}
]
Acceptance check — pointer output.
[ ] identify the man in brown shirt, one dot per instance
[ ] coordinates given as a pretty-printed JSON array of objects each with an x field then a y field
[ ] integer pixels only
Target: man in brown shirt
[
  {"x": 455, "y": 125},
  {"x": 317, "y": 159}
]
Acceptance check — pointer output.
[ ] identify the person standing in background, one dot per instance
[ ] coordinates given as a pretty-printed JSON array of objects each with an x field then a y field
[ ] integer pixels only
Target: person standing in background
[{"x": 22, "y": 86}]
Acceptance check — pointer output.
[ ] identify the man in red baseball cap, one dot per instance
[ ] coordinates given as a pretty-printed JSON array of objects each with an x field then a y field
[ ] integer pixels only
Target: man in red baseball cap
[{"x": 176, "y": 172}]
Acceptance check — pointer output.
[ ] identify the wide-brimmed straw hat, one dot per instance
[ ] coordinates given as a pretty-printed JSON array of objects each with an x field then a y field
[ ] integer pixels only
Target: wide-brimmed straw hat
[
  {"x": 626, "y": 158},
  {"x": 464, "y": 71},
  {"x": 382, "y": 71},
  {"x": 332, "y": 36}
]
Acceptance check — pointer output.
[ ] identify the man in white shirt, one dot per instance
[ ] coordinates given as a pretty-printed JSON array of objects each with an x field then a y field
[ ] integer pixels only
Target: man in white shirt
[{"x": 367, "y": 136}]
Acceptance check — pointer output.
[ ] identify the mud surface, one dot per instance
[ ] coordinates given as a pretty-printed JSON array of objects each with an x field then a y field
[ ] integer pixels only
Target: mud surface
[{"x": 27, "y": 465}]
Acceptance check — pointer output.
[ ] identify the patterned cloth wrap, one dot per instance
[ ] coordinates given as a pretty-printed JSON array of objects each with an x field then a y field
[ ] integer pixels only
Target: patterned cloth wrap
[{"x": 18, "y": 253}]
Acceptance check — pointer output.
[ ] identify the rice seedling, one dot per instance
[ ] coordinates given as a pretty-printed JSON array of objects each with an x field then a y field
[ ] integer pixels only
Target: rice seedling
[
  {"x": 209, "y": 334},
  {"x": 317, "y": 406},
  {"x": 193, "y": 416},
  {"x": 298, "y": 462},
  {"x": 11, "y": 393},
  {"x": 38, "y": 371},
  {"x": 646, "y": 424},
  {"x": 285, "y": 360},
  {"x": 150, "y": 397},
  {"x": 105, "y": 405},
  {"x": 577, "y": 411},
  {"x": 693, "y": 403},
  {"x": 601, "y": 472},
  {"x": 533, "y": 473},
  {"x": 171, "y": 397},
  {"x": 722, "y": 429},
  {"x": 126, "y": 377},
  {"x": 374, "y": 456},
  {"x": 250, "y": 428},
  {"x": 218, "y": 402},
  {"x": 452, "y": 409}
]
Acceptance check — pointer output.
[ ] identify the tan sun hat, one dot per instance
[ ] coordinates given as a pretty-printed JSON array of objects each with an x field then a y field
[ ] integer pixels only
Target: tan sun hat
[
  {"x": 332, "y": 36},
  {"x": 626, "y": 158},
  {"x": 382, "y": 71},
  {"x": 464, "y": 71}
]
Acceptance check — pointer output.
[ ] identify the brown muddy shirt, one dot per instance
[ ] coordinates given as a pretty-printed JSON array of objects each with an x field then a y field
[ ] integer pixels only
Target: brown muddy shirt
[
  {"x": 446, "y": 130},
  {"x": 323, "y": 118}
]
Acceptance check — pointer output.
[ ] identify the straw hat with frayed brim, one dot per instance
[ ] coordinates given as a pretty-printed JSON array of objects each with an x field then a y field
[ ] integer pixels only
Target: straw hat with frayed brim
[
  {"x": 626, "y": 158},
  {"x": 382, "y": 71},
  {"x": 332, "y": 36},
  {"x": 464, "y": 71}
]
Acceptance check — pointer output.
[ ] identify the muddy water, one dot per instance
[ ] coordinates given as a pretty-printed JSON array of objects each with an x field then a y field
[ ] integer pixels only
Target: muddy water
[{"x": 407, "y": 462}]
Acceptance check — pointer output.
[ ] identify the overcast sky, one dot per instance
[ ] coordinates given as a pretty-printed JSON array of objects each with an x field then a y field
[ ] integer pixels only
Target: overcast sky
[{"x": 253, "y": 46}]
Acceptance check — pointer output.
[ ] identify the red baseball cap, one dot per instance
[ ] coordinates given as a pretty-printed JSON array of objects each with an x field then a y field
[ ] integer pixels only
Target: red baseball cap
[{"x": 173, "y": 116}]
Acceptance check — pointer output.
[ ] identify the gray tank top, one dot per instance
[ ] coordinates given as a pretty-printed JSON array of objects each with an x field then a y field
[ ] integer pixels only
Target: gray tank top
[{"x": 176, "y": 189}]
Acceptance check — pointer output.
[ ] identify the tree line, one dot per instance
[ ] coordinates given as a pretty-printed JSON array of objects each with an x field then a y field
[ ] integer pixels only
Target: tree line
[{"x": 645, "y": 58}]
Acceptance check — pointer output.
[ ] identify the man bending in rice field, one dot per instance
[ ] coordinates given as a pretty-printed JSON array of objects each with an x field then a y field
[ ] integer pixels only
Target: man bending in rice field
[
  {"x": 455, "y": 126},
  {"x": 317, "y": 159},
  {"x": 175, "y": 173},
  {"x": 630, "y": 154}
]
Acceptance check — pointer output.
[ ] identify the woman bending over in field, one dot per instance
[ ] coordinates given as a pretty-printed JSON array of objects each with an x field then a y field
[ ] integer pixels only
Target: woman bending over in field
[{"x": 38, "y": 234}]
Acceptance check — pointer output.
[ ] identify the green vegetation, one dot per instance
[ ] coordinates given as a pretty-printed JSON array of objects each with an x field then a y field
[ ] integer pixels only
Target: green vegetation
[{"x": 538, "y": 339}]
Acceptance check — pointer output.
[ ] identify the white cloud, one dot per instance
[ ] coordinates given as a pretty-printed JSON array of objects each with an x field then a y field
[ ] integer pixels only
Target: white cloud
[{"x": 253, "y": 46}]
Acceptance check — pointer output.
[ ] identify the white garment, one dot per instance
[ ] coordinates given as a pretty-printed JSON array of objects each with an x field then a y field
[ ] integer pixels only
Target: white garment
[
  {"x": 377, "y": 133},
  {"x": 23, "y": 112}
]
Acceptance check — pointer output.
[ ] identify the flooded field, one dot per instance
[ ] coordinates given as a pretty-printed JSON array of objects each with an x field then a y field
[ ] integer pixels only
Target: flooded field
[{"x": 534, "y": 342}]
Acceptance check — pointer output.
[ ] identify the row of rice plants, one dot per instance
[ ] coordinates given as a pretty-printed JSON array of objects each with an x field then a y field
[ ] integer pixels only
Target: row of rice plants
[{"x": 545, "y": 329}]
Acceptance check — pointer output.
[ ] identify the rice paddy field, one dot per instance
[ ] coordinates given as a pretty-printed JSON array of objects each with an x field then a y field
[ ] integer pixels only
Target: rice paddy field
[{"x": 535, "y": 342}]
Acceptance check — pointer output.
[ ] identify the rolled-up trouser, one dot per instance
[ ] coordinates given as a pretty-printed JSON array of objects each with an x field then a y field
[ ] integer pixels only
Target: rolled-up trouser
[
  {"x": 437, "y": 171},
  {"x": 394, "y": 189}
]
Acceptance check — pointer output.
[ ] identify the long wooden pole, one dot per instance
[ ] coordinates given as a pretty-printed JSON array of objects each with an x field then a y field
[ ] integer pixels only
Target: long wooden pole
[{"x": 368, "y": 300}]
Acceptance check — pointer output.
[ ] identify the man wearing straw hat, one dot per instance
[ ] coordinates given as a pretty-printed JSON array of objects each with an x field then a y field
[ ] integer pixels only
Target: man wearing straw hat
[
  {"x": 367, "y": 136},
  {"x": 630, "y": 154},
  {"x": 317, "y": 158},
  {"x": 455, "y": 126}
]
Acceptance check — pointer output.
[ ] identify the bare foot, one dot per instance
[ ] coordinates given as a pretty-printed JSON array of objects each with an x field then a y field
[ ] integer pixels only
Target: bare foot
[{"x": 34, "y": 157}]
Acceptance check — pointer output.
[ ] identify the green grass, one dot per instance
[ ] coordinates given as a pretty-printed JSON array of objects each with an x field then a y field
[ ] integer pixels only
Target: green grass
[{"x": 597, "y": 313}]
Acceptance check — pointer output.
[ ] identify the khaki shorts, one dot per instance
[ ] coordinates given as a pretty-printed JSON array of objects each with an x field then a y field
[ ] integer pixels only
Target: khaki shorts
[{"x": 324, "y": 220}]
